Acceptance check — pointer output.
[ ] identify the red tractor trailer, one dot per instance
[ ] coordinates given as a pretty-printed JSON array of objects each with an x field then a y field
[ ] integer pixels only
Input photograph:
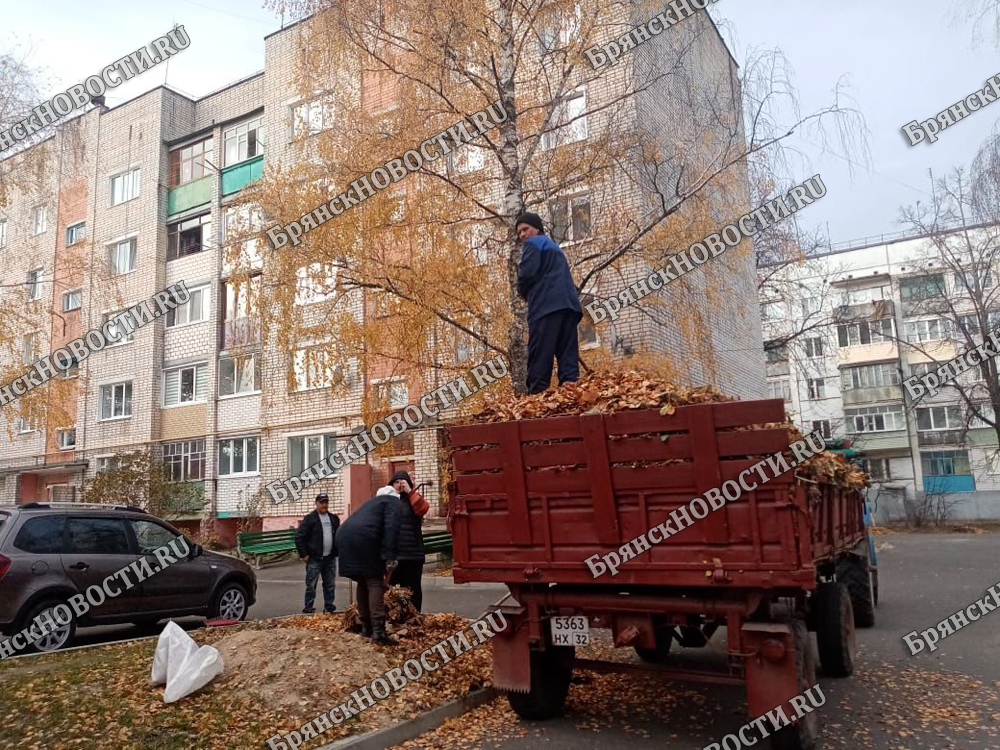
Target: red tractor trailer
[{"x": 531, "y": 500}]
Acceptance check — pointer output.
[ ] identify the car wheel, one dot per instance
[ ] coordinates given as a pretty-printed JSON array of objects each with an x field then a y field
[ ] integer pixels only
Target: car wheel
[
  {"x": 230, "y": 602},
  {"x": 59, "y": 638}
]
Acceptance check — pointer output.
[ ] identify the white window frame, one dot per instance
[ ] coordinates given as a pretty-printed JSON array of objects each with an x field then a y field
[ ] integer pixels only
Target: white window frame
[
  {"x": 890, "y": 414},
  {"x": 184, "y": 454},
  {"x": 204, "y": 295},
  {"x": 122, "y": 340},
  {"x": 814, "y": 347},
  {"x": 920, "y": 330},
  {"x": 816, "y": 389},
  {"x": 73, "y": 236},
  {"x": 114, "y": 250},
  {"x": 309, "y": 290},
  {"x": 128, "y": 186},
  {"x": 3, "y": 233},
  {"x": 24, "y": 426},
  {"x": 60, "y": 434},
  {"x": 240, "y": 133},
  {"x": 326, "y": 375},
  {"x": 28, "y": 348},
  {"x": 564, "y": 132},
  {"x": 866, "y": 464},
  {"x": 824, "y": 427},
  {"x": 783, "y": 385},
  {"x": 199, "y": 395},
  {"x": 239, "y": 367},
  {"x": 39, "y": 220},
  {"x": 100, "y": 401},
  {"x": 67, "y": 300},
  {"x": 773, "y": 310},
  {"x": 879, "y": 375},
  {"x": 324, "y": 449},
  {"x": 312, "y": 116},
  {"x": 245, "y": 439},
  {"x": 33, "y": 285},
  {"x": 568, "y": 203},
  {"x": 379, "y": 383},
  {"x": 942, "y": 418}
]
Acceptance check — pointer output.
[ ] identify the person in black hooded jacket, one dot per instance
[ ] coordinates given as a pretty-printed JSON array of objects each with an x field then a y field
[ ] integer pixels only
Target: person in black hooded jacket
[{"x": 412, "y": 507}]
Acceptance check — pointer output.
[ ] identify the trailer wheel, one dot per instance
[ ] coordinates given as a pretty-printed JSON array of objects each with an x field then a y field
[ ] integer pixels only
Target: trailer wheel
[
  {"x": 835, "y": 629},
  {"x": 661, "y": 651},
  {"x": 551, "y": 672},
  {"x": 803, "y": 733},
  {"x": 857, "y": 575}
]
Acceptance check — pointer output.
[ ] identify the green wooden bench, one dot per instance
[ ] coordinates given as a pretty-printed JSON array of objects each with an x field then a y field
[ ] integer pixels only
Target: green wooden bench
[
  {"x": 437, "y": 541},
  {"x": 257, "y": 545}
]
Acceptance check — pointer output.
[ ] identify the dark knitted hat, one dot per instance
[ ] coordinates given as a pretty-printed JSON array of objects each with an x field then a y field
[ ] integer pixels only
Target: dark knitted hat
[
  {"x": 401, "y": 475},
  {"x": 532, "y": 220}
]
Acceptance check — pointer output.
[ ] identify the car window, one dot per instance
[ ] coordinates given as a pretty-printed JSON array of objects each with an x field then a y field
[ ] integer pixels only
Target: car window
[
  {"x": 97, "y": 536},
  {"x": 151, "y": 535},
  {"x": 41, "y": 535}
]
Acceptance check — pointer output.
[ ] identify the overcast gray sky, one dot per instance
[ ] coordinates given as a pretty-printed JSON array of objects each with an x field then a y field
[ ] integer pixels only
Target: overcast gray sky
[{"x": 904, "y": 60}]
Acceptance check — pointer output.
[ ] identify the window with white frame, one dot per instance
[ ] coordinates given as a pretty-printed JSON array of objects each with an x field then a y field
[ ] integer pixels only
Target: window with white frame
[
  {"x": 468, "y": 157},
  {"x": 121, "y": 256},
  {"x": 560, "y": 29},
  {"x": 813, "y": 347},
  {"x": 243, "y": 141},
  {"x": 867, "y": 294},
  {"x": 773, "y": 311},
  {"x": 117, "y": 334},
  {"x": 28, "y": 347},
  {"x": 238, "y": 376},
  {"x": 312, "y": 117},
  {"x": 33, "y": 287},
  {"x": 817, "y": 388},
  {"x": 569, "y": 219},
  {"x": 238, "y": 457},
  {"x": 869, "y": 376},
  {"x": 969, "y": 324},
  {"x": 779, "y": 389},
  {"x": 308, "y": 450},
  {"x": 238, "y": 224},
  {"x": 935, "y": 329},
  {"x": 71, "y": 371},
  {"x": 3, "y": 233},
  {"x": 876, "y": 468},
  {"x": 185, "y": 460},
  {"x": 568, "y": 123},
  {"x": 195, "y": 310},
  {"x": 969, "y": 279},
  {"x": 315, "y": 283},
  {"x": 866, "y": 332},
  {"x": 313, "y": 368},
  {"x": 982, "y": 417},
  {"x": 922, "y": 287},
  {"x": 810, "y": 306},
  {"x": 66, "y": 439},
  {"x": 185, "y": 385},
  {"x": 393, "y": 393},
  {"x": 108, "y": 463},
  {"x": 116, "y": 400},
  {"x": 24, "y": 425},
  {"x": 945, "y": 463},
  {"x": 72, "y": 300},
  {"x": 823, "y": 426},
  {"x": 39, "y": 219},
  {"x": 875, "y": 419},
  {"x": 240, "y": 298},
  {"x": 125, "y": 187},
  {"x": 930, "y": 418},
  {"x": 75, "y": 233}
]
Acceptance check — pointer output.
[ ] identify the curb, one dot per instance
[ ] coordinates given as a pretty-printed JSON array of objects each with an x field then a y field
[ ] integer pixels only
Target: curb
[{"x": 380, "y": 739}]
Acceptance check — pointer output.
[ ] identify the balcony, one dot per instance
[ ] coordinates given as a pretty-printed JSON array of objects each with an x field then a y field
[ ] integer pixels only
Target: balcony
[
  {"x": 875, "y": 310},
  {"x": 949, "y": 483},
  {"x": 777, "y": 368},
  {"x": 234, "y": 178},
  {"x": 241, "y": 332},
  {"x": 856, "y": 396},
  {"x": 928, "y": 306},
  {"x": 862, "y": 353},
  {"x": 940, "y": 437},
  {"x": 880, "y": 441},
  {"x": 190, "y": 195}
]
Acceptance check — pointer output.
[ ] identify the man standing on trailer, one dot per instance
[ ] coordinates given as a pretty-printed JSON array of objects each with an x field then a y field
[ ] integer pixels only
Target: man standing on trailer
[{"x": 554, "y": 312}]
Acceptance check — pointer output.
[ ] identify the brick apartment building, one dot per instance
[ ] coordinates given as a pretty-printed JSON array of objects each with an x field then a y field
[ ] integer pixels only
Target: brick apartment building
[{"x": 141, "y": 197}]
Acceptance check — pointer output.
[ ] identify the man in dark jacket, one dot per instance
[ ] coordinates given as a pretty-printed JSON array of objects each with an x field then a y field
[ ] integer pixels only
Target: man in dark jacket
[
  {"x": 367, "y": 543},
  {"x": 411, "y": 557},
  {"x": 316, "y": 543},
  {"x": 554, "y": 312}
]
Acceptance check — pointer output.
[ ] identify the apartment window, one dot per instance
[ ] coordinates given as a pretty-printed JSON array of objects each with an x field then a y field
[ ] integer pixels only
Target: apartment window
[
  {"x": 185, "y": 385},
  {"x": 75, "y": 233},
  {"x": 775, "y": 352},
  {"x": 810, "y": 306},
  {"x": 569, "y": 219},
  {"x": 241, "y": 297},
  {"x": 245, "y": 141},
  {"x": 27, "y": 349},
  {"x": 875, "y": 419},
  {"x": 922, "y": 287},
  {"x": 304, "y": 452},
  {"x": 817, "y": 388},
  {"x": 813, "y": 347},
  {"x": 238, "y": 376},
  {"x": 772, "y": 311},
  {"x": 71, "y": 300},
  {"x": 185, "y": 460},
  {"x": 116, "y": 400},
  {"x": 935, "y": 329},
  {"x": 316, "y": 282},
  {"x": 189, "y": 236},
  {"x": 312, "y": 369},
  {"x": 24, "y": 425},
  {"x": 125, "y": 187},
  {"x": 108, "y": 463},
  {"x": 3, "y": 233},
  {"x": 117, "y": 334},
  {"x": 868, "y": 294},
  {"x": 939, "y": 418},
  {"x": 195, "y": 310},
  {"x": 823, "y": 426},
  {"x": 393, "y": 393},
  {"x": 969, "y": 324},
  {"x": 190, "y": 163},
  {"x": 568, "y": 123},
  {"x": 237, "y": 457},
  {"x": 865, "y": 332},
  {"x": 66, "y": 438},
  {"x": 779, "y": 389},
  {"x": 468, "y": 157},
  {"x": 241, "y": 221},
  {"x": 39, "y": 219},
  {"x": 309, "y": 118},
  {"x": 34, "y": 284},
  {"x": 943, "y": 463},
  {"x": 869, "y": 376},
  {"x": 121, "y": 256},
  {"x": 978, "y": 419},
  {"x": 969, "y": 279},
  {"x": 876, "y": 468},
  {"x": 561, "y": 28},
  {"x": 72, "y": 370}
]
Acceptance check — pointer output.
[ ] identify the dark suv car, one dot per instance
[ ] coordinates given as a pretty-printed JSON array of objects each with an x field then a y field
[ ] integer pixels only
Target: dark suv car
[{"x": 48, "y": 553}]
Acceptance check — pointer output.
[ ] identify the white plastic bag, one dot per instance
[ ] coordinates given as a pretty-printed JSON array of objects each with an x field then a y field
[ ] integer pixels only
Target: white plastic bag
[{"x": 181, "y": 664}]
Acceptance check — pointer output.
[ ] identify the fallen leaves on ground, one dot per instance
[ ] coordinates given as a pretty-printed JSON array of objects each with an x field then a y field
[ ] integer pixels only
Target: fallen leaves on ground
[{"x": 398, "y": 609}]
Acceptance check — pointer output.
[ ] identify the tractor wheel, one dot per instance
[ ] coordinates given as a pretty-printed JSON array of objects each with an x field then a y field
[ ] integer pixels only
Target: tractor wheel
[
  {"x": 855, "y": 573},
  {"x": 661, "y": 652},
  {"x": 835, "y": 629},
  {"x": 551, "y": 672},
  {"x": 803, "y": 733}
]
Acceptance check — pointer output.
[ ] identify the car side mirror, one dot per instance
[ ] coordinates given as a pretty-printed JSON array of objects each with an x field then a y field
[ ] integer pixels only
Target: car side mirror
[{"x": 196, "y": 550}]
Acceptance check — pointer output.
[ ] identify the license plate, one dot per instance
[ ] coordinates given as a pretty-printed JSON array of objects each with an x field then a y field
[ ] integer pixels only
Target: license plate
[{"x": 570, "y": 631}]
